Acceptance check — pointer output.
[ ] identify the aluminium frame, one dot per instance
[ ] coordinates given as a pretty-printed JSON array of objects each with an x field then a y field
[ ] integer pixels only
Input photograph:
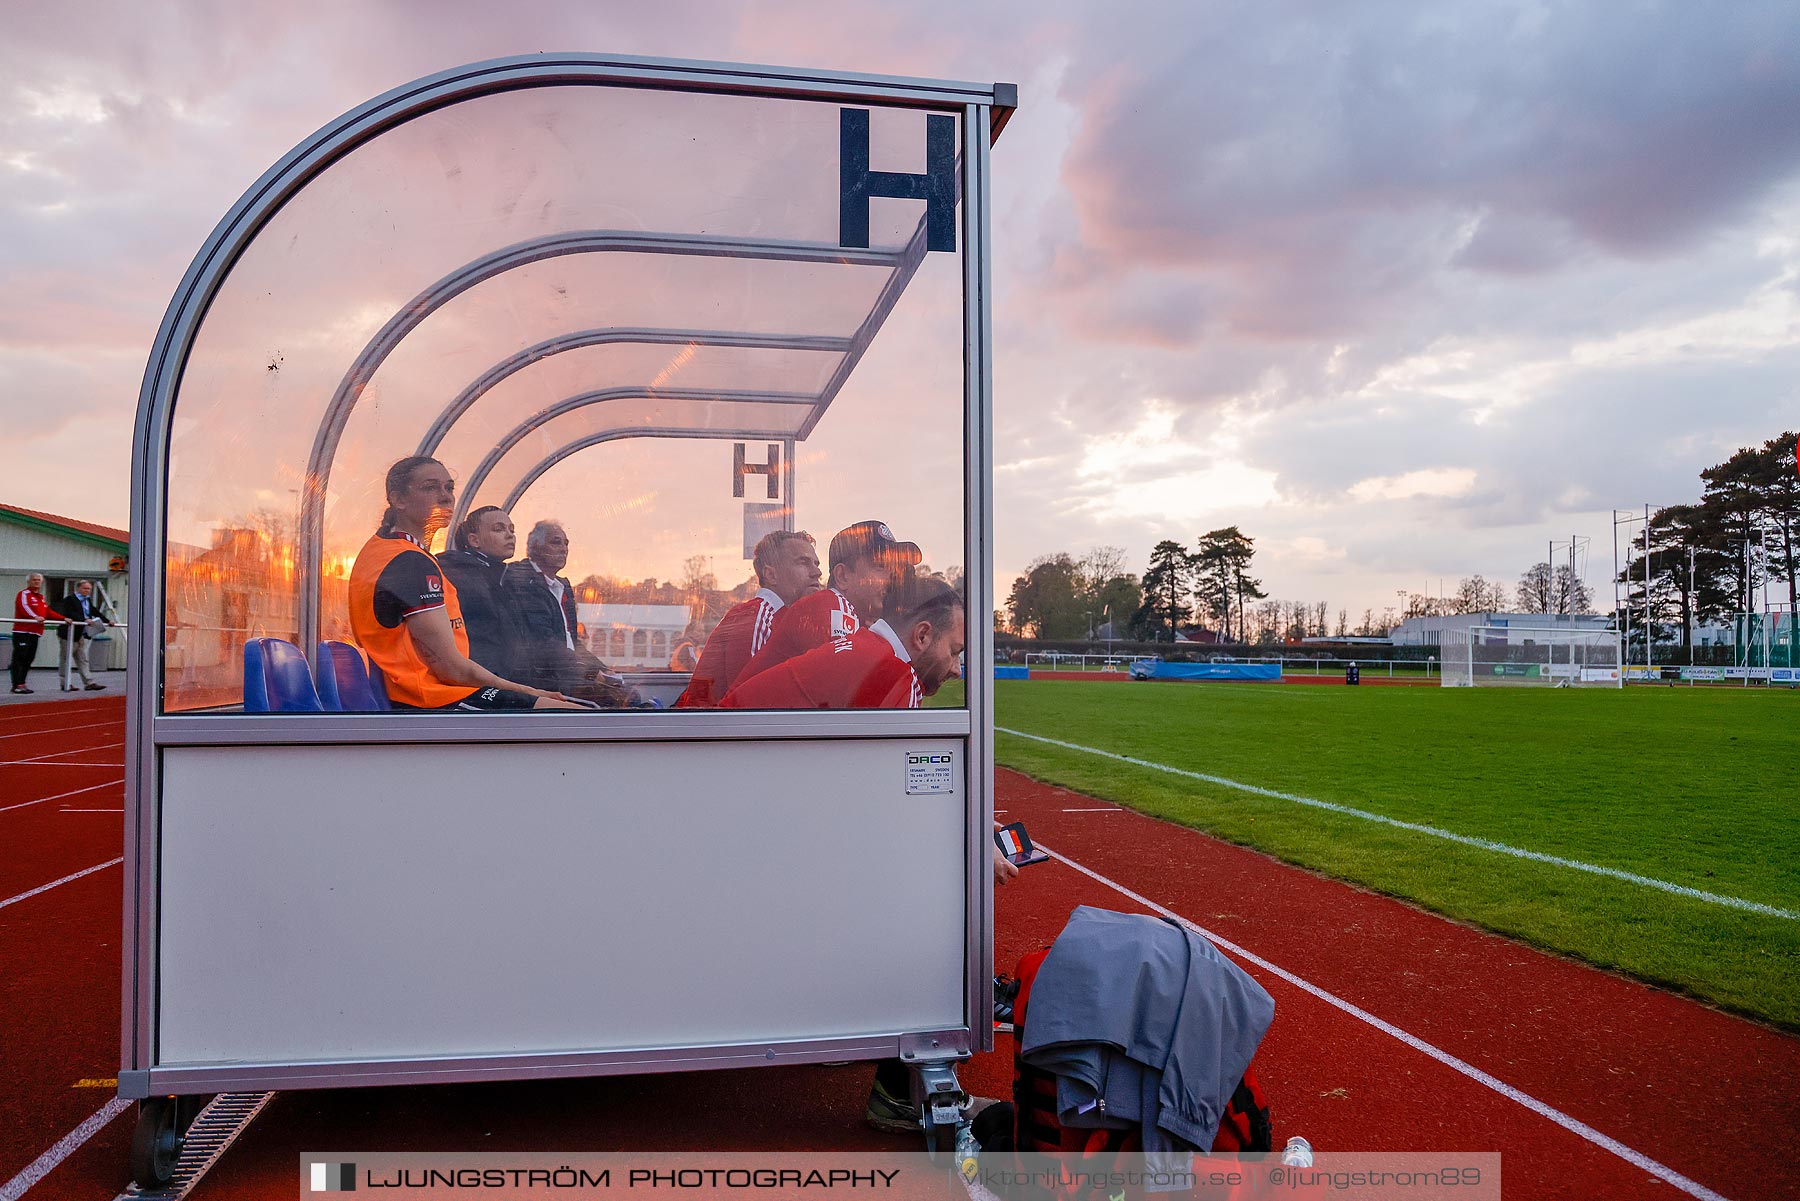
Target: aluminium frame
[{"x": 985, "y": 110}]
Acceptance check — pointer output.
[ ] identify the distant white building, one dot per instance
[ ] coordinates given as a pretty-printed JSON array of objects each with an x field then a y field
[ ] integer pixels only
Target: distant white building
[
  {"x": 634, "y": 637},
  {"x": 64, "y": 550},
  {"x": 1429, "y": 631}
]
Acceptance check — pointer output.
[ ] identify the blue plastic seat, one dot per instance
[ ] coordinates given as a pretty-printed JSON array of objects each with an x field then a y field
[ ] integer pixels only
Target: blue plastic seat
[
  {"x": 345, "y": 682},
  {"x": 276, "y": 679}
]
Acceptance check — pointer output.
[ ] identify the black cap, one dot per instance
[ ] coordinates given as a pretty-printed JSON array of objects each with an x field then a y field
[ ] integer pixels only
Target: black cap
[{"x": 871, "y": 540}]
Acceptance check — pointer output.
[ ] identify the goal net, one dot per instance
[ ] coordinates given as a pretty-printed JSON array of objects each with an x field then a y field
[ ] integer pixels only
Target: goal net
[{"x": 1550, "y": 657}]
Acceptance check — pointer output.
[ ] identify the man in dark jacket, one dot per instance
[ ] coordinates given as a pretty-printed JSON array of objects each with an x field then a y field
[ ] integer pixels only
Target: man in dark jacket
[
  {"x": 555, "y": 657},
  {"x": 81, "y": 608},
  {"x": 476, "y": 565}
]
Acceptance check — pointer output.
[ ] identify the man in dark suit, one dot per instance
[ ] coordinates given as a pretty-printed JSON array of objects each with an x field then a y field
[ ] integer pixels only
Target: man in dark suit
[
  {"x": 554, "y": 656},
  {"x": 82, "y": 609}
]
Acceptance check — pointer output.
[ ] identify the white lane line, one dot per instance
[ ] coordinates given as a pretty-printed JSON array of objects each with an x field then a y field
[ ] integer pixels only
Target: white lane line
[
  {"x": 60, "y": 796},
  {"x": 86, "y": 871},
  {"x": 21, "y": 762},
  {"x": 44, "y": 1164},
  {"x": 1711, "y": 898},
  {"x": 49, "y": 730},
  {"x": 80, "y": 750},
  {"x": 1574, "y": 1125}
]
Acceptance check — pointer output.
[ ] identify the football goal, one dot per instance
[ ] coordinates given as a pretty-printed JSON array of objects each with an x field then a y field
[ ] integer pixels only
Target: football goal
[{"x": 1549, "y": 657}]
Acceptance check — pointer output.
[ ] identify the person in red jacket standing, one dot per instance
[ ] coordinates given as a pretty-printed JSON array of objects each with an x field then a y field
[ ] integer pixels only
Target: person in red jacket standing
[
  {"x": 30, "y": 608},
  {"x": 866, "y": 561},
  {"x": 787, "y": 568}
]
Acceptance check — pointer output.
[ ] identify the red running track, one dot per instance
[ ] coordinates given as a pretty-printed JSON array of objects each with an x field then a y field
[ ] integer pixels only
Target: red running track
[{"x": 1708, "y": 1095}]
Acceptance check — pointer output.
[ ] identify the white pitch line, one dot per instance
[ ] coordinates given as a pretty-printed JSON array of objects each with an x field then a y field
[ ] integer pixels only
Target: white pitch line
[
  {"x": 86, "y": 871},
  {"x": 60, "y": 796},
  {"x": 44, "y": 1164},
  {"x": 1711, "y": 898},
  {"x": 1575, "y": 1126}
]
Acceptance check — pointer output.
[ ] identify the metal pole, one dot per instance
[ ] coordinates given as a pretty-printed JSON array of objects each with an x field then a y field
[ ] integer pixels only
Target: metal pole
[
  {"x": 1626, "y": 665},
  {"x": 1649, "y": 625},
  {"x": 1572, "y": 581}
]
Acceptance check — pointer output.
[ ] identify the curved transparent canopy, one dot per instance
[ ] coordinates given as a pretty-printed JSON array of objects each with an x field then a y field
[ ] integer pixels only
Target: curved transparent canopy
[{"x": 591, "y": 304}]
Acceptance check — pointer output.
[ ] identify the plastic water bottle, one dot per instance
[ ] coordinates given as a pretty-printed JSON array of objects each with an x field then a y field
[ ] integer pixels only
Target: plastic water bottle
[{"x": 1298, "y": 1153}]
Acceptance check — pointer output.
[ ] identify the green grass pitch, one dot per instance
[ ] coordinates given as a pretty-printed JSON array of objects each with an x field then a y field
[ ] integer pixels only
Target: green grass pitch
[{"x": 1698, "y": 787}]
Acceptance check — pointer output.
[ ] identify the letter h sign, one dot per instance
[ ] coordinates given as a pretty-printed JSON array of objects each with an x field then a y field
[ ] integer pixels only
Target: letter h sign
[
  {"x": 857, "y": 184},
  {"x": 740, "y": 469}
]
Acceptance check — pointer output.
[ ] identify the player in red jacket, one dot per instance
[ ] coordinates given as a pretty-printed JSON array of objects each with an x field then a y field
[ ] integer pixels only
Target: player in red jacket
[
  {"x": 787, "y": 568},
  {"x": 882, "y": 667},
  {"x": 866, "y": 560}
]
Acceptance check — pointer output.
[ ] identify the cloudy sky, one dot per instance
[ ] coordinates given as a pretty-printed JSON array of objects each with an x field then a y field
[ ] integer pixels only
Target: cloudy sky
[{"x": 1402, "y": 290}]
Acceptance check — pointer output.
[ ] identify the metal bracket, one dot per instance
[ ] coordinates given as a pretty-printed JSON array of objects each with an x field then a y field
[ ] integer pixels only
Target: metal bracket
[
  {"x": 944, "y": 1045},
  {"x": 134, "y": 1085}
]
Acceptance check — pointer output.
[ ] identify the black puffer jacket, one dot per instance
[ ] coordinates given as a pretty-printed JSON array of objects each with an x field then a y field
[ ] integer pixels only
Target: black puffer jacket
[{"x": 490, "y": 613}]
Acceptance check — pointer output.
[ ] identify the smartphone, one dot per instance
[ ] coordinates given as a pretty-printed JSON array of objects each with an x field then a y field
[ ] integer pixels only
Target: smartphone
[{"x": 1015, "y": 844}]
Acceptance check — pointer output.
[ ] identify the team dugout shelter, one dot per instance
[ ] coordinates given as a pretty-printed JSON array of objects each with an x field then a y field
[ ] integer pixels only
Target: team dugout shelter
[{"x": 674, "y": 306}]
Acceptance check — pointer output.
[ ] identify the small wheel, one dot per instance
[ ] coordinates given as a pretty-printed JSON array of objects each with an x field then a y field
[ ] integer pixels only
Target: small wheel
[{"x": 156, "y": 1142}]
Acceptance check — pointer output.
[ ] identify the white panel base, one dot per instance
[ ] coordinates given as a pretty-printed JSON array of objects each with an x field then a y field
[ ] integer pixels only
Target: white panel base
[{"x": 349, "y": 904}]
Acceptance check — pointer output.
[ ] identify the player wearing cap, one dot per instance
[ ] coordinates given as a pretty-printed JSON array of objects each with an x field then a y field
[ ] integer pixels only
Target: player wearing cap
[
  {"x": 866, "y": 560},
  {"x": 408, "y": 617},
  {"x": 881, "y": 667},
  {"x": 787, "y": 568}
]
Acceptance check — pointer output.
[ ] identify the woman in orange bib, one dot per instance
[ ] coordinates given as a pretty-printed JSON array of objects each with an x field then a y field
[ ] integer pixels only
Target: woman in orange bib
[{"x": 406, "y": 615}]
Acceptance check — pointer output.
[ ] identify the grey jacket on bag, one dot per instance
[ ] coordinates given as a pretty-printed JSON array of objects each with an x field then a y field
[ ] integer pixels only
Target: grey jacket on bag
[{"x": 1144, "y": 1024}]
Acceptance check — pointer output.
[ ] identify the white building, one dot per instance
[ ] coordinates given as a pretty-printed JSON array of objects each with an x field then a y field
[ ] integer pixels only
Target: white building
[
  {"x": 634, "y": 637},
  {"x": 64, "y": 550},
  {"x": 1429, "y": 631}
]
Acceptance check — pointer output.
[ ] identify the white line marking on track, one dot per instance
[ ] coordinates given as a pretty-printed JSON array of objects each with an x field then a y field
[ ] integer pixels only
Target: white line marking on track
[
  {"x": 80, "y": 750},
  {"x": 86, "y": 871},
  {"x": 49, "y": 730},
  {"x": 1575, "y": 1126},
  {"x": 44, "y": 1164},
  {"x": 1711, "y": 898},
  {"x": 61, "y": 795},
  {"x": 21, "y": 762}
]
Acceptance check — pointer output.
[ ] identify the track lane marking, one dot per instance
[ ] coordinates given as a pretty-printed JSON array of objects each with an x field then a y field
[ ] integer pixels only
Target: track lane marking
[
  {"x": 71, "y": 1142},
  {"x": 1635, "y": 1158},
  {"x": 1484, "y": 844},
  {"x": 79, "y": 750},
  {"x": 48, "y": 730},
  {"x": 62, "y": 795},
  {"x": 43, "y": 888},
  {"x": 21, "y": 763}
]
